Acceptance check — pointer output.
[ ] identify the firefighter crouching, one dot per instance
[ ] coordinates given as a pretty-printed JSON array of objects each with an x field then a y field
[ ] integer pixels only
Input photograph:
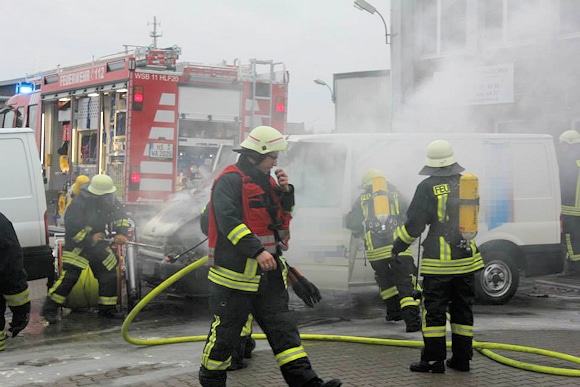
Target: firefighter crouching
[
  {"x": 13, "y": 286},
  {"x": 247, "y": 273},
  {"x": 86, "y": 220},
  {"x": 449, "y": 260},
  {"x": 375, "y": 216}
]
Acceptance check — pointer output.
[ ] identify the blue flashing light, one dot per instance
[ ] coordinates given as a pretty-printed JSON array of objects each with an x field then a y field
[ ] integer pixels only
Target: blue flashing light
[{"x": 24, "y": 88}]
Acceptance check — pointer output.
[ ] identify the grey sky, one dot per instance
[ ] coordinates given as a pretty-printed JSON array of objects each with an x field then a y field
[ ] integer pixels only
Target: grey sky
[{"x": 315, "y": 39}]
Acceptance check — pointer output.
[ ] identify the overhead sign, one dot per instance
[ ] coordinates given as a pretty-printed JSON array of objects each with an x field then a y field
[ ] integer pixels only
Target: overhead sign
[{"x": 477, "y": 86}]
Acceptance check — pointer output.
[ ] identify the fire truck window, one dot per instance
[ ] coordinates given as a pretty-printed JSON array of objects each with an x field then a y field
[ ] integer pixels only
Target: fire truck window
[
  {"x": 8, "y": 119},
  {"x": 19, "y": 117},
  {"x": 88, "y": 149},
  {"x": 262, "y": 90},
  {"x": 31, "y": 116}
]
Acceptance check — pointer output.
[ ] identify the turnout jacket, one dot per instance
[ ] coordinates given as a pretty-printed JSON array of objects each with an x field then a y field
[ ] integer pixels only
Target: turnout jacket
[
  {"x": 246, "y": 211},
  {"x": 13, "y": 285},
  {"x": 89, "y": 214},
  {"x": 569, "y": 164},
  {"x": 362, "y": 222},
  {"x": 442, "y": 254}
]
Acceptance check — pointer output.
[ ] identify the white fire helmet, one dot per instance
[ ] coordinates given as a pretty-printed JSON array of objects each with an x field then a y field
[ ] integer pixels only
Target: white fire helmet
[{"x": 265, "y": 139}]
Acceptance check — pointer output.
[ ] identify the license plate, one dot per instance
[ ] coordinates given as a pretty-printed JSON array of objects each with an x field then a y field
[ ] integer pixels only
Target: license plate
[{"x": 160, "y": 151}]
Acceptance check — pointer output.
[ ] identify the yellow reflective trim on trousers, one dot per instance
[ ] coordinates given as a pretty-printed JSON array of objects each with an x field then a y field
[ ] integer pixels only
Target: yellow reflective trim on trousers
[
  {"x": 408, "y": 301},
  {"x": 103, "y": 300},
  {"x": 73, "y": 258},
  {"x": 238, "y": 233},
  {"x": 111, "y": 261},
  {"x": 438, "y": 331},
  {"x": 213, "y": 365},
  {"x": 389, "y": 293},
  {"x": 572, "y": 255},
  {"x": 404, "y": 235},
  {"x": 247, "y": 328},
  {"x": 290, "y": 355},
  {"x": 2, "y": 340},
  {"x": 463, "y": 330},
  {"x": 247, "y": 281},
  {"x": 455, "y": 266},
  {"x": 57, "y": 297},
  {"x": 18, "y": 299},
  {"x": 379, "y": 253}
]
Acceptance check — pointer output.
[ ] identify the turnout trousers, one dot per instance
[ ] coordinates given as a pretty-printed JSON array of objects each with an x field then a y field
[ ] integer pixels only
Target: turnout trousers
[
  {"x": 457, "y": 293},
  {"x": 269, "y": 306},
  {"x": 103, "y": 263}
]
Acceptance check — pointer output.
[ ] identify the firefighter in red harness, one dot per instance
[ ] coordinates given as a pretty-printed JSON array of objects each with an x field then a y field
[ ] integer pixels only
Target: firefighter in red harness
[{"x": 249, "y": 217}]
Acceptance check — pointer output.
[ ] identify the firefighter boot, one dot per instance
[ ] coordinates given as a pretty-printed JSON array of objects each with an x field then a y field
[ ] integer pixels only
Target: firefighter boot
[
  {"x": 317, "y": 382},
  {"x": 209, "y": 378},
  {"x": 436, "y": 367},
  {"x": 412, "y": 319},
  {"x": 109, "y": 312},
  {"x": 458, "y": 364},
  {"x": 393, "y": 309},
  {"x": 50, "y": 310}
]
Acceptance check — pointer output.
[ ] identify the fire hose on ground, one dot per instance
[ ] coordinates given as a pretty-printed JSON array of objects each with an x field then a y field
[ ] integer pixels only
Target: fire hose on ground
[{"x": 484, "y": 348}]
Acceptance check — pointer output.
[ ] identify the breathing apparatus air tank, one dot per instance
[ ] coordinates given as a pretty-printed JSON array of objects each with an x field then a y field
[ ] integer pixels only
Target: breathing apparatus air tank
[
  {"x": 468, "y": 206},
  {"x": 380, "y": 199}
]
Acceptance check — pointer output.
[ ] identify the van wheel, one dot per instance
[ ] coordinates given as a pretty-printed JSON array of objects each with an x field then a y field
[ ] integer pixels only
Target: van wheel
[{"x": 497, "y": 283}]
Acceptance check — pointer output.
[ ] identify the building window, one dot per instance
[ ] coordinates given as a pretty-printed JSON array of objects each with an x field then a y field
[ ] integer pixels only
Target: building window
[
  {"x": 443, "y": 26},
  {"x": 513, "y": 21},
  {"x": 569, "y": 17}
]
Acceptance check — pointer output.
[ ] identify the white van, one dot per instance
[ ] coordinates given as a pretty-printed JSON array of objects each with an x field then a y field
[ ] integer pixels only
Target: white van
[
  {"x": 23, "y": 201},
  {"x": 519, "y": 229}
]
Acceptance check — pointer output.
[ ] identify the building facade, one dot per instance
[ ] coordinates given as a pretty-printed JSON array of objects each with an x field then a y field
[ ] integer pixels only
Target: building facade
[{"x": 506, "y": 66}]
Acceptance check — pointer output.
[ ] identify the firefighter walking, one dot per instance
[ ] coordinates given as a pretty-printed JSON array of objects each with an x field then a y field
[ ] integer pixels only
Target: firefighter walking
[
  {"x": 248, "y": 274},
  {"x": 375, "y": 217},
  {"x": 569, "y": 166},
  {"x": 86, "y": 221},
  {"x": 450, "y": 258},
  {"x": 13, "y": 286}
]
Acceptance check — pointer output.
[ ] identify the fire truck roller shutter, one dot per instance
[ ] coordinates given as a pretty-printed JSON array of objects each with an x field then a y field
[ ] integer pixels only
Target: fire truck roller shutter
[{"x": 197, "y": 103}]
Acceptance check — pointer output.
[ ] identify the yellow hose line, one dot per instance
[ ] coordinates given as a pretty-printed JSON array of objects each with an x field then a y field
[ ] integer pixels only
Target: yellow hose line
[{"x": 483, "y": 347}]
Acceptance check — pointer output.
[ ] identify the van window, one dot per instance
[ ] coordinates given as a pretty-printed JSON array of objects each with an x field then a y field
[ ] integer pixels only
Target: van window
[
  {"x": 317, "y": 172},
  {"x": 16, "y": 179}
]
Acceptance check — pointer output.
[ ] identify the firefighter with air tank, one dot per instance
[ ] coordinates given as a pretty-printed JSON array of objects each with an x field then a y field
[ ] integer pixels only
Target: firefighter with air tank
[
  {"x": 375, "y": 216},
  {"x": 448, "y": 203}
]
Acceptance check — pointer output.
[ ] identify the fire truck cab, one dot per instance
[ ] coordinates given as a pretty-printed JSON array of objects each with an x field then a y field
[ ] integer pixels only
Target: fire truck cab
[{"x": 155, "y": 125}]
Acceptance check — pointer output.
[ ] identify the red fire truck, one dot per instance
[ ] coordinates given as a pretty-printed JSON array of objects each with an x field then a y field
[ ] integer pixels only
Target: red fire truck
[{"x": 149, "y": 121}]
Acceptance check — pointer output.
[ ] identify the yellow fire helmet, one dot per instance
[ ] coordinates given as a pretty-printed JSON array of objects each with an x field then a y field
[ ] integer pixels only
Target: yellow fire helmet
[
  {"x": 265, "y": 139},
  {"x": 570, "y": 137},
  {"x": 368, "y": 177},
  {"x": 102, "y": 185}
]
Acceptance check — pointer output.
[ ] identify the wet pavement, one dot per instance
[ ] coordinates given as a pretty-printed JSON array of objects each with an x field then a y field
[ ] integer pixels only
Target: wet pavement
[{"x": 81, "y": 350}]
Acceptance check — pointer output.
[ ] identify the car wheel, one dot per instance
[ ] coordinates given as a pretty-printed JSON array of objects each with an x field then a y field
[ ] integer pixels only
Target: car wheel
[{"x": 498, "y": 281}]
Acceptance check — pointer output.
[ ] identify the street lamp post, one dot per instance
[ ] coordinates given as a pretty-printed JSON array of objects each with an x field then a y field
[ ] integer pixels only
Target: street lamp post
[
  {"x": 322, "y": 83},
  {"x": 362, "y": 5}
]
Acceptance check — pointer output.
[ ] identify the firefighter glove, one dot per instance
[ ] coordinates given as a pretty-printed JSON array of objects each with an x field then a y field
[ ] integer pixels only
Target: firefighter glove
[
  {"x": 120, "y": 239},
  {"x": 20, "y": 318},
  {"x": 307, "y": 291},
  {"x": 398, "y": 247}
]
